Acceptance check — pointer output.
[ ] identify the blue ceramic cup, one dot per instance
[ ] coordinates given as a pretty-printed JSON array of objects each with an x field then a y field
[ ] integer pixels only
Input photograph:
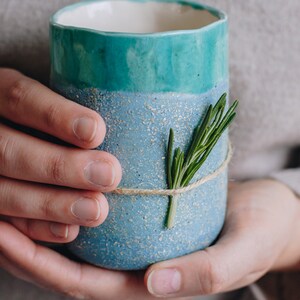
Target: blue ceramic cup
[{"x": 146, "y": 67}]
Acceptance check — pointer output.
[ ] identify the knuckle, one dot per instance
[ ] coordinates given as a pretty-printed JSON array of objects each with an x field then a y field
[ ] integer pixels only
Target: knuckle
[
  {"x": 47, "y": 206},
  {"x": 18, "y": 92},
  {"x": 6, "y": 150},
  {"x": 51, "y": 116},
  {"x": 9, "y": 202},
  {"x": 56, "y": 169},
  {"x": 4, "y": 198},
  {"x": 75, "y": 289},
  {"x": 214, "y": 278},
  {"x": 27, "y": 228}
]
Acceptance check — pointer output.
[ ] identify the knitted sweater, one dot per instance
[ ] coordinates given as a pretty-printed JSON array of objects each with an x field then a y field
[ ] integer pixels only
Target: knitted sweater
[{"x": 265, "y": 69}]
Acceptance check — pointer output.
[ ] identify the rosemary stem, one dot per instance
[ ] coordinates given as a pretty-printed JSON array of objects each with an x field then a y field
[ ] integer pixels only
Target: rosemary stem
[
  {"x": 182, "y": 166},
  {"x": 172, "y": 211}
]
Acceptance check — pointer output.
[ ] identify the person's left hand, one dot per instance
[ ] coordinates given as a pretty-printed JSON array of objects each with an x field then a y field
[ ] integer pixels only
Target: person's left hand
[{"x": 260, "y": 234}]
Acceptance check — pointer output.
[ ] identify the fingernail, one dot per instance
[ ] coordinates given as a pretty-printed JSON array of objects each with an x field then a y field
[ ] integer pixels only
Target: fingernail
[
  {"x": 86, "y": 209},
  {"x": 164, "y": 282},
  {"x": 59, "y": 230},
  {"x": 100, "y": 172},
  {"x": 85, "y": 129}
]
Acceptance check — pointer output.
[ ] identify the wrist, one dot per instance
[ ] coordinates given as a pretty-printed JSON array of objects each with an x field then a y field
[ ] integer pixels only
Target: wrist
[
  {"x": 289, "y": 258},
  {"x": 277, "y": 209}
]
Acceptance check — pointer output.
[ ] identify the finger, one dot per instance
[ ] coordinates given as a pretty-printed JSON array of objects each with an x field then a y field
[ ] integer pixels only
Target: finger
[
  {"x": 27, "y": 102},
  {"x": 28, "y": 158},
  {"x": 230, "y": 264},
  {"x": 52, "y": 270},
  {"x": 67, "y": 206},
  {"x": 12, "y": 269},
  {"x": 45, "y": 231}
]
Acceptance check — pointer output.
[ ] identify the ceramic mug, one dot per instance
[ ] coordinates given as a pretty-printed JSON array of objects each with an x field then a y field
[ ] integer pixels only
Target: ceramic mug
[{"x": 145, "y": 67}]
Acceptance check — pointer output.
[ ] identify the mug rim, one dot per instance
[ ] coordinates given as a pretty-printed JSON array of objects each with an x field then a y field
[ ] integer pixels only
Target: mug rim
[{"x": 221, "y": 15}]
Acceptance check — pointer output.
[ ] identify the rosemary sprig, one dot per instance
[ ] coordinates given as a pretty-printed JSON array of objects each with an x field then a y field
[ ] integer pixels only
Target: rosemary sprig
[{"x": 181, "y": 167}]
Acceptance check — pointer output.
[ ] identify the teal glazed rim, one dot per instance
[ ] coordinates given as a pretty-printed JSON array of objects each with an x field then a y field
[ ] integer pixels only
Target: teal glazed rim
[
  {"x": 188, "y": 61},
  {"x": 222, "y": 17}
]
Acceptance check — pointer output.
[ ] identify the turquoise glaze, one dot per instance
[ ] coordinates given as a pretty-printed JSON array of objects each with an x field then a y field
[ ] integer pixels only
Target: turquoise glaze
[
  {"x": 143, "y": 84},
  {"x": 158, "y": 62}
]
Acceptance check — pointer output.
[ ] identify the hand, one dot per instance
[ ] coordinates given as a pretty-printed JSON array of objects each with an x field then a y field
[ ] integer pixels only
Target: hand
[
  {"x": 31, "y": 169},
  {"x": 259, "y": 235}
]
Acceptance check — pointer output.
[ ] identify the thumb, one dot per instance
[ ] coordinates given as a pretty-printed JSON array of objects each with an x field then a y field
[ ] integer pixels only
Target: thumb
[
  {"x": 250, "y": 243},
  {"x": 232, "y": 263}
]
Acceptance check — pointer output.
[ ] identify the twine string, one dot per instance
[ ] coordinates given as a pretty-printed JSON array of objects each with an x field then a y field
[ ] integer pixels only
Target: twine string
[{"x": 173, "y": 192}]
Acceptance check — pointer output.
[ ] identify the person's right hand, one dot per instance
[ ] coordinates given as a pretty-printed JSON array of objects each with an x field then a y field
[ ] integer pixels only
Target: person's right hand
[{"x": 47, "y": 190}]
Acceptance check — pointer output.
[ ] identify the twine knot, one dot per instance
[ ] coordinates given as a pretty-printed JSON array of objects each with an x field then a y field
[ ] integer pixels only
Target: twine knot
[{"x": 173, "y": 192}]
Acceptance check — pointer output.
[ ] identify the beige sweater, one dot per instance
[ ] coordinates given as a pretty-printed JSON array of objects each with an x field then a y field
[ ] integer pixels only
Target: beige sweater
[{"x": 265, "y": 72}]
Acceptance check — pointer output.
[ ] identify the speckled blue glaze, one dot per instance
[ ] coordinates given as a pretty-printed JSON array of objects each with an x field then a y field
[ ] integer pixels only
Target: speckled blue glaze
[{"x": 139, "y": 106}]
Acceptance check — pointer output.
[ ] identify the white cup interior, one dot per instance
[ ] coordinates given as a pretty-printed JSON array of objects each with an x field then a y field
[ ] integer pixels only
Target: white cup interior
[{"x": 134, "y": 17}]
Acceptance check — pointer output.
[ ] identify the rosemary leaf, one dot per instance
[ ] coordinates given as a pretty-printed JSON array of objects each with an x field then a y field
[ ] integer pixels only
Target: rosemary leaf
[
  {"x": 170, "y": 157},
  {"x": 181, "y": 167},
  {"x": 220, "y": 104},
  {"x": 199, "y": 133}
]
